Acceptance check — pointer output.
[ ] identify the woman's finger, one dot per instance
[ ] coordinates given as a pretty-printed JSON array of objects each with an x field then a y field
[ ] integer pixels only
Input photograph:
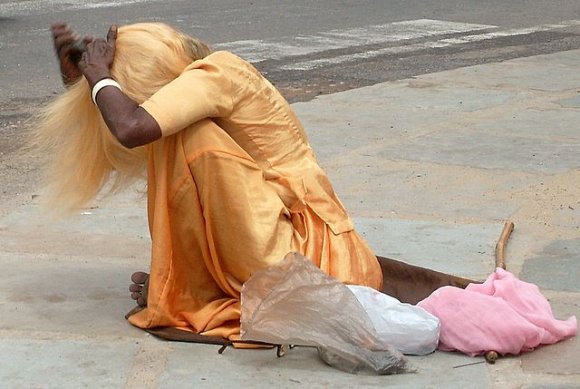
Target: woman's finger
[
  {"x": 111, "y": 43},
  {"x": 63, "y": 42},
  {"x": 112, "y": 36},
  {"x": 58, "y": 28}
]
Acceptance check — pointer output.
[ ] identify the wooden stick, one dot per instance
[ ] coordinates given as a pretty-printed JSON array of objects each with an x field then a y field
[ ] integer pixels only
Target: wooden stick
[
  {"x": 501, "y": 244},
  {"x": 491, "y": 356}
]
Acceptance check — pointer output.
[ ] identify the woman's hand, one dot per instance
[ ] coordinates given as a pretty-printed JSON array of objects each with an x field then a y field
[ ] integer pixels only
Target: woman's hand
[
  {"x": 131, "y": 124},
  {"x": 63, "y": 39},
  {"x": 96, "y": 61}
]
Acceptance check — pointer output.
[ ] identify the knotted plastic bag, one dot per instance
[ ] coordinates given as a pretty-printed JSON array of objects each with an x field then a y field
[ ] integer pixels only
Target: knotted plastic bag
[
  {"x": 295, "y": 303},
  {"x": 408, "y": 328}
]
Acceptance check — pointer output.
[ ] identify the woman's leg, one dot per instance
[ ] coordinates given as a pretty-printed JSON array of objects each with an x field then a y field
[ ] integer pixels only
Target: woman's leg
[{"x": 411, "y": 284}]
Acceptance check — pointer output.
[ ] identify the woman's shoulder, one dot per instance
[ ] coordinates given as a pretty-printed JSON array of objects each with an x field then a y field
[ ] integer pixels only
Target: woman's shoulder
[
  {"x": 217, "y": 64},
  {"x": 229, "y": 65},
  {"x": 219, "y": 58}
]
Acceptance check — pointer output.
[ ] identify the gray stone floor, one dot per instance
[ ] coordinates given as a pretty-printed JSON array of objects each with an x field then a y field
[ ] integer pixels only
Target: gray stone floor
[{"x": 429, "y": 168}]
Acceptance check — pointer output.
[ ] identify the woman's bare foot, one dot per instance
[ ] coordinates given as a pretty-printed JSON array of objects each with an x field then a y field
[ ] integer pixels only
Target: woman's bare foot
[{"x": 139, "y": 288}]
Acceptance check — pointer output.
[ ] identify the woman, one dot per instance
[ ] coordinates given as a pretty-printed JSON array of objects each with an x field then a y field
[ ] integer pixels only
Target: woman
[{"x": 233, "y": 184}]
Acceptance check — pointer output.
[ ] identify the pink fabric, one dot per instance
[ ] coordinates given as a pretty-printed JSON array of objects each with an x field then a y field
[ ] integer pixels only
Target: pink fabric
[{"x": 502, "y": 314}]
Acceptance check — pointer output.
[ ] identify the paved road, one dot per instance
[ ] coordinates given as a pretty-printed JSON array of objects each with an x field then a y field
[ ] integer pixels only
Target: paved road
[
  {"x": 285, "y": 38},
  {"x": 443, "y": 177},
  {"x": 305, "y": 47},
  {"x": 428, "y": 167}
]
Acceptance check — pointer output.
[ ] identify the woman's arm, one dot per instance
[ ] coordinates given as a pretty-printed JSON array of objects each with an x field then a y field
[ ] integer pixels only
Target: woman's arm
[{"x": 130, "y": 124}]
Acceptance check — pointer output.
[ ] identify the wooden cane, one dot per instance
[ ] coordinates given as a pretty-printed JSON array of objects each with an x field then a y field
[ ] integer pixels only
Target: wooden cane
[
  {"x": 491, "y": 356},
  {"x": 502, "y": 243}
]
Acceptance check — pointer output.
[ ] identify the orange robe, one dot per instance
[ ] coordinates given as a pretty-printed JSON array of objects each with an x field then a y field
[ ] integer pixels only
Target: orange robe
[{"x": 233, "y": 194}]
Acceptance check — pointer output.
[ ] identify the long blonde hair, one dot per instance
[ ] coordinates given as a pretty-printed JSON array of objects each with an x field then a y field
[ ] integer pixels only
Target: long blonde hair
[{"x": 81, "y": 155}]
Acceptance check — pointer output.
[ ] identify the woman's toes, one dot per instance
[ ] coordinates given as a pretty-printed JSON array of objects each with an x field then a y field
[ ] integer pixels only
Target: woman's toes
[
  {"x": 139, "y": 277},
  {"x": 139, "y": 287},
  {"x": 135, "y": 288}
]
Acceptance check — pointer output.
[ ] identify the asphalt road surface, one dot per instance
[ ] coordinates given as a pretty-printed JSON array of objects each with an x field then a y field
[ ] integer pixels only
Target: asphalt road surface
[
  {"x": 306, "y": 48},
  {"x": 364, "y": 42}
]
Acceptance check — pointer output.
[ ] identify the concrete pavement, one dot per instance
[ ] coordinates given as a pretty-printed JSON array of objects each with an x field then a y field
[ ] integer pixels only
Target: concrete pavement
[{"x": 429, "y": 168}]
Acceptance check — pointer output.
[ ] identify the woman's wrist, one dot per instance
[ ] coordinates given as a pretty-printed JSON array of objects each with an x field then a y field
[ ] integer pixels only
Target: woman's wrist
[
  {"x": 105, "y": 82},
  {"x": 95, "y": 76}
]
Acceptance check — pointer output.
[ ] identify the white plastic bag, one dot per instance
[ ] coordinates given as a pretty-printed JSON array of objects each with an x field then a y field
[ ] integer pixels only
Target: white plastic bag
[
  {"x": 295, "y": 303},
  {"x": 408, "y": 328}
]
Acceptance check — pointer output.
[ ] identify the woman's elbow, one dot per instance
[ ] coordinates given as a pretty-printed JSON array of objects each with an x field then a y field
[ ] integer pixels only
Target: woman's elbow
[
  {"x": 131, "y": 134},
  {"x": 129, "y": 143},
  {"x": 137, "y": 132},
  {"x": 127, "y": 135}
]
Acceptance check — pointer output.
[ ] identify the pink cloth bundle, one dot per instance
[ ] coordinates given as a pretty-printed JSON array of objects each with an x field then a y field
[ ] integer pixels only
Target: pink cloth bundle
[{"x": 503, "y": 314}]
